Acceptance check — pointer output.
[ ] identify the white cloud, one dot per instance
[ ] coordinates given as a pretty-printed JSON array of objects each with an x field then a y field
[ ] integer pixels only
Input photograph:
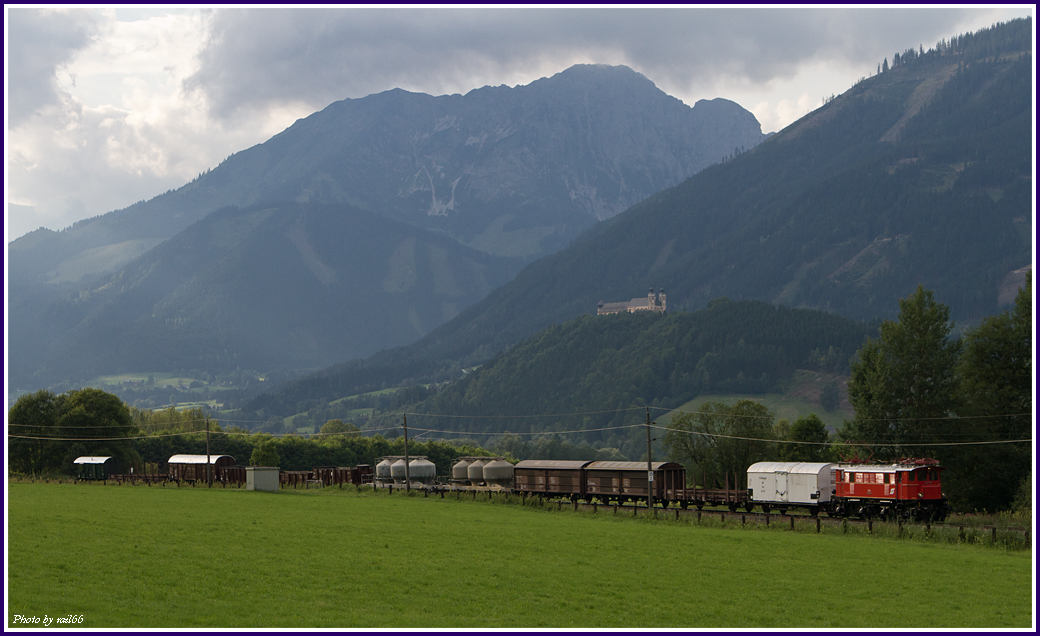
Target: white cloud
[{"x": 110, "y": 106}]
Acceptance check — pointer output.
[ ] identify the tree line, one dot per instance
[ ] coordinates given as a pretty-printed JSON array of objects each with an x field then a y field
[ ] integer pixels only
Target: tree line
[{"x": 917, "y": 391}]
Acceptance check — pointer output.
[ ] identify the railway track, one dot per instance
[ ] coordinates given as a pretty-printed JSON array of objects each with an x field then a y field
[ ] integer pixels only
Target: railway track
[{"x": 745, "y": 517}]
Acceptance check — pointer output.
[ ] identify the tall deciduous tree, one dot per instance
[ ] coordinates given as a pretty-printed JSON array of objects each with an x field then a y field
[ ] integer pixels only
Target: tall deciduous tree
[
  {"x": 264, "y": 454},
  {"x": 811, "y": 430},
  {"x": 48, "y": 431},
  {"x": 902, "y": 385},
  {"x": 996, "y": 382},
  {"x": 31, "y": 426},
  {"x": 721, "y": 440}
]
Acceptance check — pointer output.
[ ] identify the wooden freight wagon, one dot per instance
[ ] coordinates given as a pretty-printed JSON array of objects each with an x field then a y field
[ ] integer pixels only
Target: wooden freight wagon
[
  {"x": 627, "y": 481},
  {"x": 549, "y": 478},
  {"x": 96, "y": 468},
  {"x": 192, "y": 468},
  {"x": 340, "y": 475}
]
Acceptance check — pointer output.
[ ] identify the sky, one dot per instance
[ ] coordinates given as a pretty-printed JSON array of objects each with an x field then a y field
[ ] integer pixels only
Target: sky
[{"x": 107, "y": 106}]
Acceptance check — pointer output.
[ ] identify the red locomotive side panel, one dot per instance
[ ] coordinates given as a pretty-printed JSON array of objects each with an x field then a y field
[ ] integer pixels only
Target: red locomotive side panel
[
  {"x": 920, "y": 484},
  {"x": 896, "y": 482},
  {"x": 866, "y": 482},
  {"x": 909, "y": 488}
]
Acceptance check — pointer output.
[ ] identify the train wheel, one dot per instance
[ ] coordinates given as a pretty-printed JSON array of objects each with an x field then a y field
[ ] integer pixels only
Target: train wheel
[
  {"x": 684, "y": 504},
  {"x": 765, "y": 508},
  {"x": 664, "y": 503},
  {"x": 748, "y": 507}
]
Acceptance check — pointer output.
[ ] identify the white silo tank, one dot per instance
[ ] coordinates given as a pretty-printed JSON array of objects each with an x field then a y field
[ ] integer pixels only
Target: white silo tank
[
  {"x": 397, "y": 471},
  {"x": 422, "y": 470},
  {"x": 460, "y": 471},
  {"x": 383, "y": 474},
  {"x": 475, "y": 471},
  {"x": 498, "y": 472}
]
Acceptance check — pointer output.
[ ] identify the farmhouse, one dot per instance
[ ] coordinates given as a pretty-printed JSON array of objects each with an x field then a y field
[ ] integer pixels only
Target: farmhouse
[{"x": 650, "y": 302}]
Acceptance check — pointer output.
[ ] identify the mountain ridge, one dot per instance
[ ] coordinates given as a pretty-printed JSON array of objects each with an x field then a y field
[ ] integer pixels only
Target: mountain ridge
[
  {"x": 344, "y": 152},
  {"x": 830, "y": 213}
]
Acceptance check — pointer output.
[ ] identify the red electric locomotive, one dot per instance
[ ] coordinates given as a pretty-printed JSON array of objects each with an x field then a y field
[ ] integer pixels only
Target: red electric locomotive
[{"x": 909, "y": 488}]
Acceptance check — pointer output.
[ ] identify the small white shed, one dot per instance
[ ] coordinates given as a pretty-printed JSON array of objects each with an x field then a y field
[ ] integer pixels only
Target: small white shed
[
  {"x": 262, "y": 478},
  {"x": 797, "y": 483}
]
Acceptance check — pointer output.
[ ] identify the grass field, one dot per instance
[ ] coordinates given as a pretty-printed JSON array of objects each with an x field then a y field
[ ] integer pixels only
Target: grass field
[
  {"x": 150, "y": 557},
  {"x": 782, "y": 406}
]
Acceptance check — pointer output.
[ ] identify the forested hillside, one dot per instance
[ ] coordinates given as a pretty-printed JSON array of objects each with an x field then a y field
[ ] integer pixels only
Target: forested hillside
[
  {"x": 608, "y": 366},
  {"x": 278, "y": 286}
]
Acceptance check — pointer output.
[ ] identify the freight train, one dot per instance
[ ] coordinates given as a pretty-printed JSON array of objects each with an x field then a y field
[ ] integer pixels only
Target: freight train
[{"x": 906, "y": 489}]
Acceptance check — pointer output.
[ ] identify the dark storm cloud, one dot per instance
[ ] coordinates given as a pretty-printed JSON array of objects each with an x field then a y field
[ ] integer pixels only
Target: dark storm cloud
[
  {"x": 262, "y": 56},
  {"x": 39, "y": 43}
]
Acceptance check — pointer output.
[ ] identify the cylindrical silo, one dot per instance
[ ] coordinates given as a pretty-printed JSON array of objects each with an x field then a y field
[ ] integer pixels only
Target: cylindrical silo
[
  {"x": 475, "y": 471},
  {"x": 397, "y": 471},
  {"x": 383, "y": 474},
  {"x": 422, "y": 470},
  {"x": 459, "y": 472},
  {"x": 498, "y": 472}
]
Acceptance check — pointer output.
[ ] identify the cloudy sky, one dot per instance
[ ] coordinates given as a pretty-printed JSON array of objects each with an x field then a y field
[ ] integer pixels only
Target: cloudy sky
[{"x": 109, "y": 106}]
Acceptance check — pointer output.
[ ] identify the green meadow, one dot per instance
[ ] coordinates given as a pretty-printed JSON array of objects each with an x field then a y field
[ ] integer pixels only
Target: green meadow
[{"x": 152, "y": 557}]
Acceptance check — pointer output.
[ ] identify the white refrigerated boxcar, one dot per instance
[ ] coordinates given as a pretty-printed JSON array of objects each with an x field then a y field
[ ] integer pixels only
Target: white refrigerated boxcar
[{"x": 783, "y": 485}]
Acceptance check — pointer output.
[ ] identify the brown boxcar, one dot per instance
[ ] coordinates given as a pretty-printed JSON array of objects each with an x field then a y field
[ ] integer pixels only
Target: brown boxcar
[
  {"x": 627, "y": 481},
  {"x": 549, "y": 477},
  {"x": 193, "y": 467}
]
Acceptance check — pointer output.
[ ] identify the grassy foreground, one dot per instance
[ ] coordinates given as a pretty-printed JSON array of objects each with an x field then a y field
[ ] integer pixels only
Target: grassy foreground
[{"x": 178, "y": 558}]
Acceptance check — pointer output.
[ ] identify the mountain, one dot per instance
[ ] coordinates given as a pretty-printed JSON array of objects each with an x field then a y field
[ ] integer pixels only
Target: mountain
[
  {"x": 500, "y": 175},
  {"x": 509, "y": 171},
  {"x": 920, "y": 175},
  {"x": 268, "y": 287}
]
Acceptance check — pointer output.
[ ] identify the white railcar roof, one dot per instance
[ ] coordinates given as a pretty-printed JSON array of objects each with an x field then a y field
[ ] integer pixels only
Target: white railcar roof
[
  {"x": 808, "y": 468},
  {"x": 195, "y": 459},
  {"x": 91, "y": 460}
]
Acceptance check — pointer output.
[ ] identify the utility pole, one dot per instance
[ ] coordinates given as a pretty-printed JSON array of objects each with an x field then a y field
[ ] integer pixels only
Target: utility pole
[
  {"x": 407, "y": 475},
  {"x": 649, "y": 467},
  {"x": 209, "y": 466}
]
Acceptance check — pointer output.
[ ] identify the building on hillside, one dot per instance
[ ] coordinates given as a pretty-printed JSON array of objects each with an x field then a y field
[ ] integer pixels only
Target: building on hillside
[{"x": 650, "y": 302}]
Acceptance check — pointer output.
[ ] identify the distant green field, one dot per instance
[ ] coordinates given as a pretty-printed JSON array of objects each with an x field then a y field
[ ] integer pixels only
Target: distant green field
[
  {"x": 140, "y": 557},
  {"x": 160, "y": 379},
  {"x": 780, "y": 405},
  {"x": 379, "y": 392}
]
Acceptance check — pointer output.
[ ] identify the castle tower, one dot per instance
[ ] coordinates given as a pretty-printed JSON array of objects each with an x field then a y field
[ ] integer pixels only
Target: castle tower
[
  {"x": 663, "y": 302},
  {"x": 650, "y": 299}
]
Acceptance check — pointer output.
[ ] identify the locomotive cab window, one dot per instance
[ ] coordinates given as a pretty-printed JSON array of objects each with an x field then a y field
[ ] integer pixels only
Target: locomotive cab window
[
  {"x": 886, "y": 478},
  {"x": 910, "y": 476}
]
